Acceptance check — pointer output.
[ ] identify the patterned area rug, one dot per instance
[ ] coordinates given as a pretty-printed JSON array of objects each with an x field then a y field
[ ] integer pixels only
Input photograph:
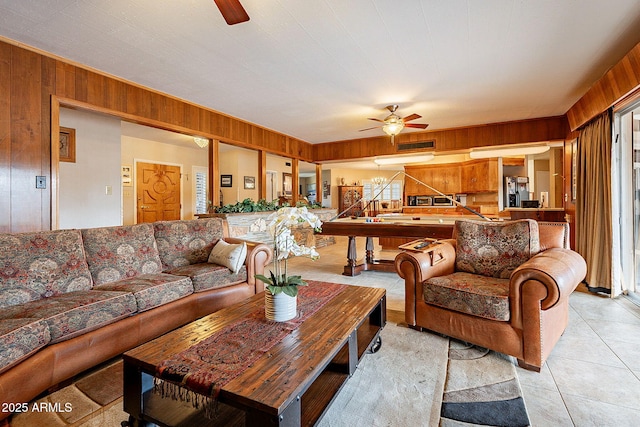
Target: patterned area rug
[
  {"x": 416, "y": 379},
  {"x": 482, "y": 389}
]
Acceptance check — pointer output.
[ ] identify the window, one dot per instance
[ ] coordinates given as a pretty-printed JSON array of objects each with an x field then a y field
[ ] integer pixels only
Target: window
[
  {"x": 200, "y": 182},
  {"x": 386, "y": 191}
]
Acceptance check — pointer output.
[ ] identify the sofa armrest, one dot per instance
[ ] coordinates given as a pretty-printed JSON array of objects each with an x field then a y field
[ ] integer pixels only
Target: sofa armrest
[
  {"x": 258, "y": 256},
  {"x": 559, "y": 271},
  {"x": 416, "y": 267}
]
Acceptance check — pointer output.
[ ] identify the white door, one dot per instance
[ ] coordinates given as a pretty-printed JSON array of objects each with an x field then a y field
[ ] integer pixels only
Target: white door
[{"x": 272, "y": 185}]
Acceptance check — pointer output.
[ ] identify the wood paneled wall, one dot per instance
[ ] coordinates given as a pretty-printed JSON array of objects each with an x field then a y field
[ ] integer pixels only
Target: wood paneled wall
[
  {"x": 30, "y": 82},
  {"x": 26, "y": 82},
  {"x": 619, "y": 81},
  {"x": 458, "y": 139}
]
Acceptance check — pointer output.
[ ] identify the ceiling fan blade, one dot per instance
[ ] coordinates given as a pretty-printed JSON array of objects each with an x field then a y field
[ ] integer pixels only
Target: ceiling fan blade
[
  {"x": 375, "y": 127},
  {"x": 411, "y": 117},
  {"x": 232, "y": 11},
  {"x": 376, "y": 120},
  {"x": 416, "y": 125}
]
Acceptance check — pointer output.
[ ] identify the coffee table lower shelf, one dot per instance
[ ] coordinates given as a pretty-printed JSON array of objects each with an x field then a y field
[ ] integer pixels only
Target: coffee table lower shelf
[{"x": 147, "y": 408}]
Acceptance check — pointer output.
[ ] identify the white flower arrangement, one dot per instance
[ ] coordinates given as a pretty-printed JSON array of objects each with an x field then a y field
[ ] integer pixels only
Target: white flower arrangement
[{"x": 285, "y": 245}]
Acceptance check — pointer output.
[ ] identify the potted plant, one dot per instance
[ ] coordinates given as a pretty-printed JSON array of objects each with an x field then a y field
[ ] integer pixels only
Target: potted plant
[{"x": 282, "y": 290}]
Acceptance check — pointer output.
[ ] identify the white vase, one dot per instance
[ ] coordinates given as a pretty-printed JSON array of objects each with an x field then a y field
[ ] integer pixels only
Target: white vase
[{"x": 280, "y": 307}]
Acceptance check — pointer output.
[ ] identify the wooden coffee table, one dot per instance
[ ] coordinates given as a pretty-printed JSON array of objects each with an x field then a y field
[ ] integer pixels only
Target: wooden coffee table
[{"x": 291, "y": 385}]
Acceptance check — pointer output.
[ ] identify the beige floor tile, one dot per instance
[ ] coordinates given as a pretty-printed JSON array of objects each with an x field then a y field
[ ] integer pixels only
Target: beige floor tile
[
  {"x": 595, "y": 381},
  {"x": 540, "y": 380},
  {"x": 545, "y": 407},
  {"x": 593, "y": 413},
  {"x": 585, "y": 349},
  {"x": 597, "y": 308},
  {"x": 614, "y": 331},
  {"x": 628, "y": 352}
]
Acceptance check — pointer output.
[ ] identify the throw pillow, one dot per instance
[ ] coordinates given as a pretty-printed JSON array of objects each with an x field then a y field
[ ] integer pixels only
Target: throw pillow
[
  {"x": 230, "y": 255},
  {"x": 495, "y": 249}
]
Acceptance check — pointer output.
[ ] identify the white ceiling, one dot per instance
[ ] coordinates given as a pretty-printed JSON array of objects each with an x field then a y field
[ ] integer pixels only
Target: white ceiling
[{"x": 316, "y": 69}]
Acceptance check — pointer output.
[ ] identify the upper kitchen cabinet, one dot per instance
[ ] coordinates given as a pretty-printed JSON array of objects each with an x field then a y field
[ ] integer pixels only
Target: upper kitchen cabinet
[
  {"x": 443, "y": 178},
  {"x": 479, "y": 176}
]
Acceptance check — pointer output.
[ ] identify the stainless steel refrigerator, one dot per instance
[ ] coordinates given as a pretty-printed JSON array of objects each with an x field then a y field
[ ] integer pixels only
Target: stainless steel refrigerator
[{"x": 516, "y": 189}]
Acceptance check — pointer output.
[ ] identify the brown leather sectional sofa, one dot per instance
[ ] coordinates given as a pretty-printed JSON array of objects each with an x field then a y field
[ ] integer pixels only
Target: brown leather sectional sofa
[{"x": 135, "y": 265}]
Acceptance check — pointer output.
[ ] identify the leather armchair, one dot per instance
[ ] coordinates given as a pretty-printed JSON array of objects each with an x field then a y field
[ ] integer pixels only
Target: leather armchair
[{"x": 519, "y": 310}]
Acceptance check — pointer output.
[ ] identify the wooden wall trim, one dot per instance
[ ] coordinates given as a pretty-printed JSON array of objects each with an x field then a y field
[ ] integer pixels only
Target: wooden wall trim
[
  {"x": 214, "y": 172},
  {"x": 622, "y": 79},
  {"x": 449, "y": 140},
  {"x": 5, "y": 137}
]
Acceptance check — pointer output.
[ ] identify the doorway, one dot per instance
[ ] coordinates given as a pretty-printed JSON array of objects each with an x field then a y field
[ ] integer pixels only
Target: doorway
[
  {"x": 157, "y": 192},
  {"x": 272, "y": 185},
  {"x": 626, "y": 200}
]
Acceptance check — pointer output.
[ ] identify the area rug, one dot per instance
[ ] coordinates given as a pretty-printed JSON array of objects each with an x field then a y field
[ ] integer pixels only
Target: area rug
[
  {"x": 424, "y": 379},
  {"x": 415, "y": 379},
  {"x": 482, "y": 389}
]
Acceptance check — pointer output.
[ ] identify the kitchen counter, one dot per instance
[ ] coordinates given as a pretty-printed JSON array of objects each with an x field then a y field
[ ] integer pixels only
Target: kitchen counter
[{"x": 539, "y": 214}]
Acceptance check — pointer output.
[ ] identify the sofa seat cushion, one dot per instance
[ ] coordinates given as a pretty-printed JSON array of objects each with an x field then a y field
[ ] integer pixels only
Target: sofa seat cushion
[
  {"x": 187, "y": 242},
  {"x": 20, "y": 338},
  {"x": 115, "y": 253},
  {"x": 495, "y": 248},
  {"x": 210, "y": 276},
  {"x": 152, "y": 290},
  {"x": 75, "y": 313},
  {"x": 473, "y": 294},
  {"x": 40, "y": 265}
]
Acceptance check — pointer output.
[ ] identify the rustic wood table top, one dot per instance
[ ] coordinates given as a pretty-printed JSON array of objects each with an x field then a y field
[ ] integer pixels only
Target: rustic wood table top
[{"x": 286, "y": 370}]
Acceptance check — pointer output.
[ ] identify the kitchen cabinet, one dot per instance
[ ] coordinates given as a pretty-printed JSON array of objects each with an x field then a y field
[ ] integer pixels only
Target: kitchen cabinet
[
  {"x": 479, "y": 176},
  {"x": 444, "y": 178},
  {"x": 348, "y": 195}
]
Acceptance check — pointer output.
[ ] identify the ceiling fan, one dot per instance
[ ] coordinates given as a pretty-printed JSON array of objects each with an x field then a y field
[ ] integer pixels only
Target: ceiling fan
[
  {"x": 232, "y": 11},
  {"x": 393, "y": 124}
]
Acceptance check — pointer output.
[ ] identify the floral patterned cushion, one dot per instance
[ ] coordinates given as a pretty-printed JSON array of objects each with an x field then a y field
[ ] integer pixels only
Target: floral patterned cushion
[
  {"x": 19, "y": 338},
  {"x": 469, "y": 293},
  {"x": 115, "y": 253},
  {"x": 152, "y": 290},
  {"x": 210, "y": 276},
  {"x": 75, "y": 313},
  {"x": 495, "y": 249},
  {"x": 188, "y": 241},
  {"x": 41, "y": 264}
]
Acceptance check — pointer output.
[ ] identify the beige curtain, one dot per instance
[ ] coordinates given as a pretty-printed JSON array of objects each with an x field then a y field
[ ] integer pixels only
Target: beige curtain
[{"x": 594, "y": 237}]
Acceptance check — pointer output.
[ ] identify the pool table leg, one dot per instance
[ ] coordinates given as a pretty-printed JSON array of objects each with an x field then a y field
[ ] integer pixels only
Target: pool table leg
[{"x": 351, "y": 269}]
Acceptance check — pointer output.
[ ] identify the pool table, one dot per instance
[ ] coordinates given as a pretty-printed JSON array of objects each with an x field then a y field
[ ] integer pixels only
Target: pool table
[{"x": 399, "y": 226}]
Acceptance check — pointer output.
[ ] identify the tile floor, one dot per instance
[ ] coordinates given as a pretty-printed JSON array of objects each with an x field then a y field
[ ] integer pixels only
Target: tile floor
[{"x": 592, "y": 377}]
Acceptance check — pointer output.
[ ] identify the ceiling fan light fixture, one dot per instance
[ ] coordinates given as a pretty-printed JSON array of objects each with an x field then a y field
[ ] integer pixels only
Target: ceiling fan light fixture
[{"x": 393, "y": 125}]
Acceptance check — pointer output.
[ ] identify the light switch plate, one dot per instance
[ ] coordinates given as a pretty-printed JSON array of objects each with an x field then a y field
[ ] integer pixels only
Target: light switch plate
[{"x": 41, "y": 181}]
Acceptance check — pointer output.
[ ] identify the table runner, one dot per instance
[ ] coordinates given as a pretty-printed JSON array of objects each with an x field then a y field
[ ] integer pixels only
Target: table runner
[{"x": 197, "y": 374}]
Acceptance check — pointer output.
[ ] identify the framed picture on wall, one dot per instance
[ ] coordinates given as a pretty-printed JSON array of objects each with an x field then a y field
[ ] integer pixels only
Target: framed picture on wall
[
  {"x": 226, "y": 180},
  {"x": 287, "y": 183},
  {"x": 249, "y": 182},
  {"x": 67, "y": 145}
]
